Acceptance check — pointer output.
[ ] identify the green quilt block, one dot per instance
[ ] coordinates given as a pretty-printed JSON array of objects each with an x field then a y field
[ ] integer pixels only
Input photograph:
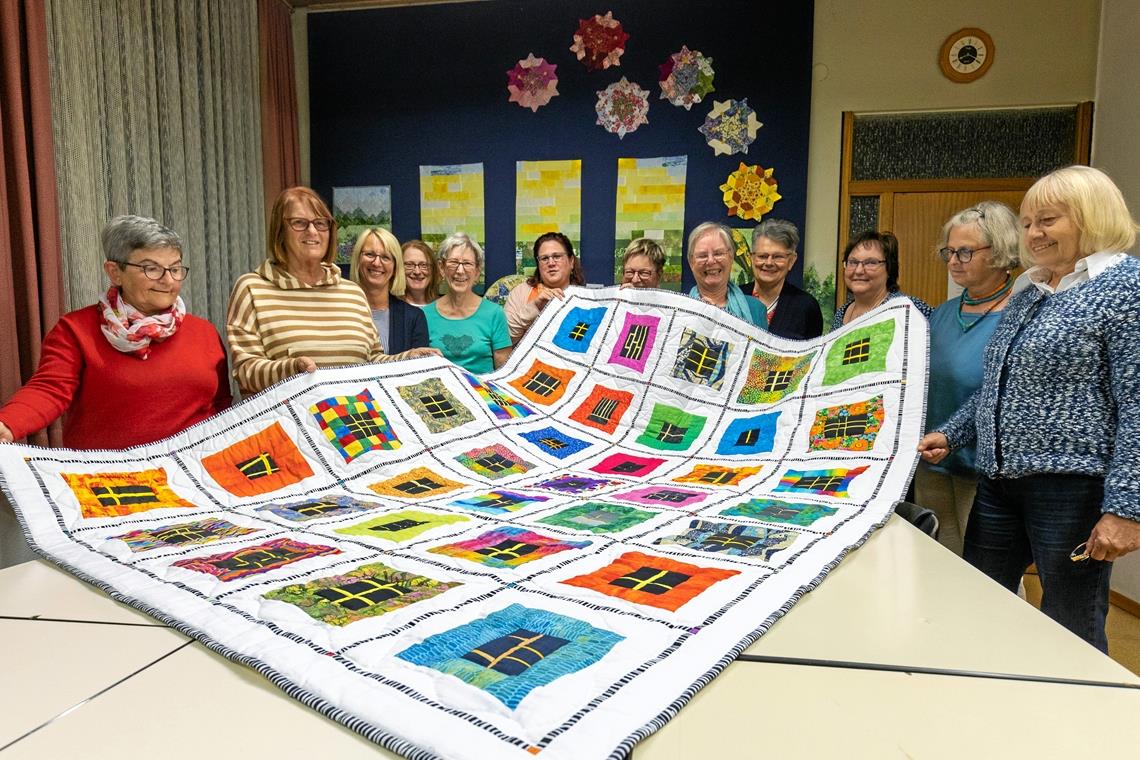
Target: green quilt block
[
  {"x": 859, "y": 352},
  {"x": 598, "y": 517},
  {"x": 671, "y": 428},
  {"x": 401, "y": 526}
]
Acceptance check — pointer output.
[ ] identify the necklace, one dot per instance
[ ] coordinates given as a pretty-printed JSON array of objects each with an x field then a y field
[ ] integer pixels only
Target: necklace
[
  {"x": 996, "y": 298},
  {"x": 993, "y": 296},
  {"x": 853, "y": 312}
]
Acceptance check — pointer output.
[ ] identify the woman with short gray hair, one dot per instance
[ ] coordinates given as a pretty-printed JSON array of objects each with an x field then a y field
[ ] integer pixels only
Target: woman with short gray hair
[
  {"x": 133, "y": 368},
  {"x": 791, "y": 311},
  {"x": 980, "y": 248},
  {"x": 710, "y": 254}
]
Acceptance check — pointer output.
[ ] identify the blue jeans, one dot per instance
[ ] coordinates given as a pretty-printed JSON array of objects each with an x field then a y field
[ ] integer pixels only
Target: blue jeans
[{"x": 1042, "y": 518}]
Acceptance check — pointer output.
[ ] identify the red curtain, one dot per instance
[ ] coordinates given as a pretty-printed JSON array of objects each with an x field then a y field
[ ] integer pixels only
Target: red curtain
[
  {"x": 31, "y": 270},
  {"x": 280, "y": 144}
]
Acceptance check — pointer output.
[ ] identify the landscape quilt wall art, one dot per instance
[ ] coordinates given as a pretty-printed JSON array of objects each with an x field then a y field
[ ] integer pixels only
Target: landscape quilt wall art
[{"x": 547, "y": 561}]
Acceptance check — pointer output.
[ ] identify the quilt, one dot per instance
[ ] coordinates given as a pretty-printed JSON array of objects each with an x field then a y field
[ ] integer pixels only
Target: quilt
[{"x": 547, "y": 561}]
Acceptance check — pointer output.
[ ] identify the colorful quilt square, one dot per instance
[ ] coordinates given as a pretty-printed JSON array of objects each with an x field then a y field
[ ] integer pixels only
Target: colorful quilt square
[
  {"x": 603, "y": 408},
  {"x": 859, "y": 352},
  {"x": 730, "y": 538},
  {"x": 252, "y": 560},
  {"x": 263, "y": 462},
  {"x": 433, "y": 403},
  {"x": 628, "y": 465},
  {"x": 495, "y": 461},
  {"x": 717, "y": 475},
  {"x": 598, "y": 517},
  {"x": 575, "y": 484},
  {"x": 364, "y": 592},
  {"x": 543, "y": 383},
  {"x": 418, "y": 483},
  {"x": 502, "y": 404},
  {"x": 113, "y": 494},
  {"x": 354, "y": 424},
  {"x": 507, "y": 547},
  {"x": 749, "y": 435},
  {"x": 654, "y": 581},
  {"x": 401, "y": 526},
  {"x": 514, "y": 651},
  {"x": 701, "y": 360},
  {"x": 772, "y": 377},
  {"x": 775, "y": 510},
  {"x": 314, "y": 509},
  {"x": 635, "y": 341},
  {"x": 851, "y": 427},
  {"x": 662, "y": 496},
  {"x": 833, "y": 482},
  {"x": 554, "y": 442},
  {"x": 499, "y": 502},
  {"x": 578, "y": 328},
  {"x": 671, "y": 428},
  {"x": 182, "y": 534}
]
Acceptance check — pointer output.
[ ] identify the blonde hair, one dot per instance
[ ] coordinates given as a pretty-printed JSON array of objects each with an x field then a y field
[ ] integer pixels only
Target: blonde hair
[
  {"x": 391, "y": 246},
  {"x": 1094, "y": 203},
  {"x": 649, "y": 248}
]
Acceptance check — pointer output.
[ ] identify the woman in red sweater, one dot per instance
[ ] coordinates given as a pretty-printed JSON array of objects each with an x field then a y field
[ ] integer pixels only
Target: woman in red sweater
[{"x": 133, "y": 368}]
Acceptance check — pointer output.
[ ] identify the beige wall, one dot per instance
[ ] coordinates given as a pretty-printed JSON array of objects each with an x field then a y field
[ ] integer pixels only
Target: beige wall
[
  {"x": 881, "y": 55},
  {"x": 1115, "y": 149}
]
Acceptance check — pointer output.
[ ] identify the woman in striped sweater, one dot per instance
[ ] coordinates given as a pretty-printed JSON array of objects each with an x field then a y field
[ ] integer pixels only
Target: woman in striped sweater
[{"x": 295, "y": 312}]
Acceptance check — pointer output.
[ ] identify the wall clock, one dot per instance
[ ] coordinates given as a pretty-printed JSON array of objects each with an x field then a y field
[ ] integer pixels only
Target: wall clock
[{"x": 966, "y": 55}]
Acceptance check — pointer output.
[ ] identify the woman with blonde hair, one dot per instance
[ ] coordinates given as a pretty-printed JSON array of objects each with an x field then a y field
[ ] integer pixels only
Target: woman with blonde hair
[
  {"x": 1057, "y": 416},
  {"x": 377, "y": 266}
]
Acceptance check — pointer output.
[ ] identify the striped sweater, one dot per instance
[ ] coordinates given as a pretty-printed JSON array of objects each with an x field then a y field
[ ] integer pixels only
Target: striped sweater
[
  {"x": 1061, "y": 388},
  {"x": 275, "y": 318}
]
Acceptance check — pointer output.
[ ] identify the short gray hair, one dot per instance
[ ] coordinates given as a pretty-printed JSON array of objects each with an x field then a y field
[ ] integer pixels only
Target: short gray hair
[
  {"x": 127, "y": 233},
  {"x": 997, "y": 224},
  {"x": 705, "y": 228},
  {"x": 648, "y": 248},
  {"x": 459, "y": 240},
  {"x": 779, "y": 231}
]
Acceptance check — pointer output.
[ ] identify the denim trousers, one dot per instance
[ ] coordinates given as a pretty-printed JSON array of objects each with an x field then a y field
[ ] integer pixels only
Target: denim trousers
[{"x": 1042, "y": 518}]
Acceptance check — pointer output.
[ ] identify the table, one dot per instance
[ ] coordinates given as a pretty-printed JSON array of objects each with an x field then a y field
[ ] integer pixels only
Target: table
[{"x": 78, "y": 665}]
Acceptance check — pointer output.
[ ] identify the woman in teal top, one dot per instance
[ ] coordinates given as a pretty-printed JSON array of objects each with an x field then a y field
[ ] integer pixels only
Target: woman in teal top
[
  {"x": 980, "y": 248},
  {"x": 470, "y": 331},
  {"x": 710, "y": 253}
]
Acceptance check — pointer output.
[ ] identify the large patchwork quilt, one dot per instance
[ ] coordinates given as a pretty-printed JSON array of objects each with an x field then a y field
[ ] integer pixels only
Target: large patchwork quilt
[{"x": 546, "y": 561}]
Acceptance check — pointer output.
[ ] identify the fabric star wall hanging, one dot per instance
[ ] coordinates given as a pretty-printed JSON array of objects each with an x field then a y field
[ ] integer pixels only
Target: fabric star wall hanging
[
  {"x": 750, "y": 192},
  {"x": 686, "y": 77},
  {"x": 599, "y": 42},
  {"x": 532, "y": 82},
  {"x": 622, "y": 107},
  {"x": 730, "y": 127}
]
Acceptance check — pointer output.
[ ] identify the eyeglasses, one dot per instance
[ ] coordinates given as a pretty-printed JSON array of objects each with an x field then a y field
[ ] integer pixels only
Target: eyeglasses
[
  {"x": 637, "y": 274},
  {"x": 155, "y": 272},
  {"x": 551, "y": 258},
  {"x": 416, "y": 266},
  {"x": 300, "y": 224},
  {"x": 454, "y": 265},
  {"x": 372, "y": 256},
  {"x": 713, "y": 255},
  {"x": 775, "y": 258},
  {"x": 869, "y": 265},
  {"x": 964, "y": 254}
]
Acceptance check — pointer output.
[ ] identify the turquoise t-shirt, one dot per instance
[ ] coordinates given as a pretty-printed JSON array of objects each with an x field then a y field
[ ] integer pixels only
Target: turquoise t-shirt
[
  {"x": 955, "y": 372},
  {"x": 470, "y": 342}
]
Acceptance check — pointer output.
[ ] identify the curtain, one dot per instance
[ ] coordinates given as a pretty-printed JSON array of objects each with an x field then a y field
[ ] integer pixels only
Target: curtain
[
  {"x": 280, "y": 145},
  {"x": 157, "y": 113},
  {"x": 31, "y": 286}
]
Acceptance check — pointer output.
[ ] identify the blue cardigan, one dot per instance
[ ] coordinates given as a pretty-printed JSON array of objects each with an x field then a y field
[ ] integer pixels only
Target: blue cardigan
[
  {"x": 407, "y": 326},
  {"x": 1061, "y": 388}
]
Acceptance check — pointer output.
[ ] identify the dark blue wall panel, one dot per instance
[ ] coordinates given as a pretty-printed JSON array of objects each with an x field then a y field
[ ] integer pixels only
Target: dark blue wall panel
[{"x": 391, "y": 89}]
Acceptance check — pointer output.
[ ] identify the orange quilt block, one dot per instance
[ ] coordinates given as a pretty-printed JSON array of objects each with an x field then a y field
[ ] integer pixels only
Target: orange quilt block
[
  {"x": 717, "y": 475},
  {"x": 113, "y": 494},
  {"x": 543, "y": 383},
  {"x": 264, "y": 462},
  {"x": 655, "y": 581}
]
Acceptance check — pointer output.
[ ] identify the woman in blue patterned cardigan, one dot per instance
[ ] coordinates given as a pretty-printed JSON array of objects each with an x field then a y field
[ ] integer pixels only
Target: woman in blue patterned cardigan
[{"x": 1061, "y": 390}]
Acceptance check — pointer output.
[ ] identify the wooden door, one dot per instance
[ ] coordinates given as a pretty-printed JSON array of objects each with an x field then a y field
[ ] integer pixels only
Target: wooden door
[{"x": 917, "y": 222}]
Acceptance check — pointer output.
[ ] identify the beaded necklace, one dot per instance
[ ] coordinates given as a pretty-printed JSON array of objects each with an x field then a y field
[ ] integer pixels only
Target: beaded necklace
[{"x": 994, "y": 297}]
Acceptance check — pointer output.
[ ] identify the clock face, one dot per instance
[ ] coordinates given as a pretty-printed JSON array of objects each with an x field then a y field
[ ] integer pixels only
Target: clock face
[{"x": 966, "y": 55}]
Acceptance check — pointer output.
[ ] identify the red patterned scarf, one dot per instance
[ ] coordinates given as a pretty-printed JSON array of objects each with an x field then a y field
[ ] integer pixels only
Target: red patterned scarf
[{"x": 131, "y": 331}]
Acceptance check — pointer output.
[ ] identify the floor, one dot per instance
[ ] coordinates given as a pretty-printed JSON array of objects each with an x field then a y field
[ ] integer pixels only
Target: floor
[{"x": 1123, "y": 628}]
